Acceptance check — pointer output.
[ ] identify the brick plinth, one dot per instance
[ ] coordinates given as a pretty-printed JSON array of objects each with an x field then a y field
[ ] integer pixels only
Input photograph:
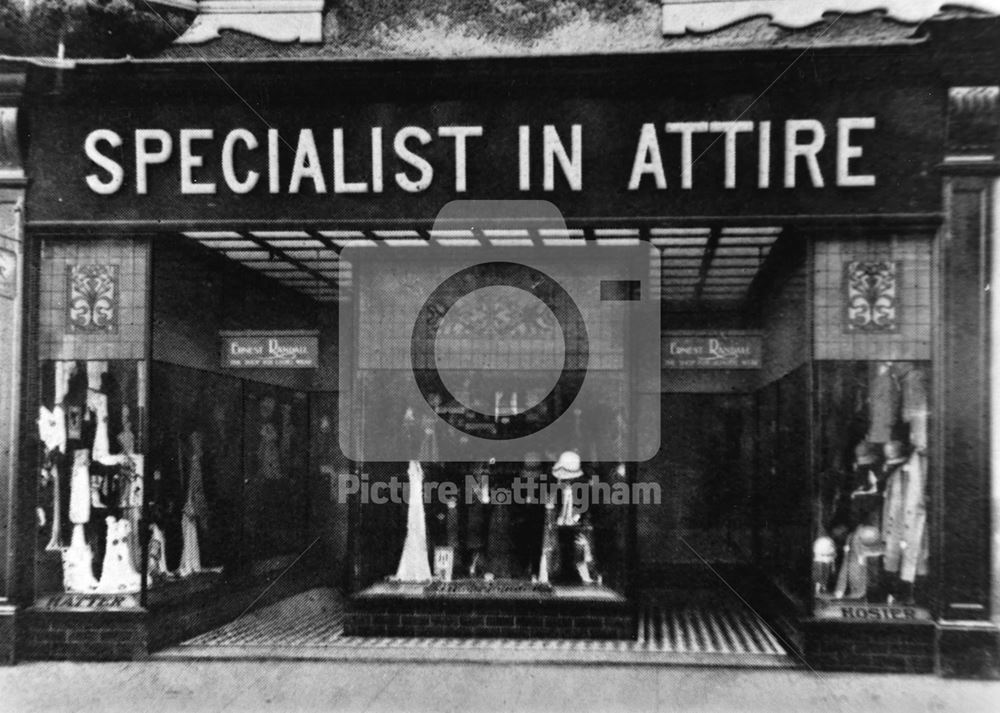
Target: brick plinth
[
  {"x": 383, "y": 614},
  {"x": 871, "y": 647}
]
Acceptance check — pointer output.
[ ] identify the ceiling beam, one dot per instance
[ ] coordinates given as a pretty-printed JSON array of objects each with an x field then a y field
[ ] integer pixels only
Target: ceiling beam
[{"x": 706, "y": 261}]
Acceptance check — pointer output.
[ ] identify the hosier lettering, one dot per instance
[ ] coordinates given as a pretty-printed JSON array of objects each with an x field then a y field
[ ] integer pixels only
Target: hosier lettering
[{"x": 241, "y": 161}]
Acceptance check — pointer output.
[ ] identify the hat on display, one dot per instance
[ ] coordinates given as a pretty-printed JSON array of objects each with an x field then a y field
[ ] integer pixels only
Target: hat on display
[
  {"x": 567, "y": 467},
  {"x": 868, "y": 536},
  {"x": 865, "y": 453},
  {"x": 824, "y": 550}
]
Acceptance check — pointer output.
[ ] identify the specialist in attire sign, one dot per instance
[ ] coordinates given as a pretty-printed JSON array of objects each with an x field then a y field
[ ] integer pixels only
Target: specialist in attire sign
[{"x": 270, "y": 350}]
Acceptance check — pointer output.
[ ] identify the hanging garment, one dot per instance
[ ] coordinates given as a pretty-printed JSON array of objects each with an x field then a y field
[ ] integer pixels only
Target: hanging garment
[
  {"x": 883, "y": 405},
  {"x": 499, "y": 545},
  {"x": 268, "y": 457},
  {"x": 428, "y": 441},
  {"x": 130, "y": 502},
  {"x": 118, "y": 574},
  {"x": 126, "y": 438},
  {"x": 550, "y": 561},
  {"x": 52, "y": 431},
  {"x": 197, "y": 503},
  {"x": 195, "y": 512},
  {"x": 913, "y": 384},
  {"x": 157, "y": 551},
  {"x": 414, "y": 565},
  {"x": 567, "y": 513},
  {"x": 52, "y": 428},
  {"x": 97, "y": 403},
  {"x": 287, "y": 433},
  {"x": 79, "y": 489},
  {"x": 583, "y": 546},
  {"x": 904, "y": 521},
  {"x": 190, "y": 549},
  {"x": 52, "y": 470},
  {"x": 78, "y": 563}
]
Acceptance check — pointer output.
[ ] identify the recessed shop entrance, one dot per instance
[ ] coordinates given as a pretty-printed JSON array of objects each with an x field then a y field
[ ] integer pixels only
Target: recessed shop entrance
[{"x": 733, "y": 310}]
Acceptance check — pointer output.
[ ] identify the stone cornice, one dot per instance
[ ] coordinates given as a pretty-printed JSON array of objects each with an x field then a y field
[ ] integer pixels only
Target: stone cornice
[
  {"x": 683, "y": 16},
  {"x": 274, "y": 20}
]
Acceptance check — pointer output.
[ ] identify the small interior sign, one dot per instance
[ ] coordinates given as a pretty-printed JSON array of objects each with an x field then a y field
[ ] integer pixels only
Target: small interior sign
[
  {"x": 712, "y": 351},
  {"x": 269, "y": 350}
]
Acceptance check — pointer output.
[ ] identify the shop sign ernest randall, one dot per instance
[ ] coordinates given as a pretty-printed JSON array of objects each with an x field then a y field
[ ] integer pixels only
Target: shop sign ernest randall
[
  {"x": 711, "y": 351},
  {"x": 269, "y": 349}
]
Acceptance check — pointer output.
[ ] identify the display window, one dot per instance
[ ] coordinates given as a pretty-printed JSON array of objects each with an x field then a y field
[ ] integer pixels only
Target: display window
[
  {"x": 873, "y": 500},
  {"x": 93, "y": 457}
]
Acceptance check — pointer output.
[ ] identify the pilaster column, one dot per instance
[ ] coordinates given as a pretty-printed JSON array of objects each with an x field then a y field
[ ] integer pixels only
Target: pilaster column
[
  {"x": 12, "y": 186},
  {"x": 963, "y": 559}
]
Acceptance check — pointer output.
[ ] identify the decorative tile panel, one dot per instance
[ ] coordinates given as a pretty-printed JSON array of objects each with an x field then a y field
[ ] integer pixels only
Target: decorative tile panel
[
  {"x": 92, "y": 298},
  {"x": 871, "y": 297}
]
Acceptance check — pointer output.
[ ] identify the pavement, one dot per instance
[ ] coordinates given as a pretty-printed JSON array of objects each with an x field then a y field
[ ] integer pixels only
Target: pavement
[{"x": 251, "y": 686}]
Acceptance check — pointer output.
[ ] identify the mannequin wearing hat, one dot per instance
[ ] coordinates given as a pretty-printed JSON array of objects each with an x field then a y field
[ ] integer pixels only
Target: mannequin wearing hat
[
  {"x": 574, "y": 533},
  {"x": 858, "y": 516}
]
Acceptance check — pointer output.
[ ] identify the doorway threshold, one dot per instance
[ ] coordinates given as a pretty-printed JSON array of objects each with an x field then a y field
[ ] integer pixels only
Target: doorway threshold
[{"x": 309, "y": 627}]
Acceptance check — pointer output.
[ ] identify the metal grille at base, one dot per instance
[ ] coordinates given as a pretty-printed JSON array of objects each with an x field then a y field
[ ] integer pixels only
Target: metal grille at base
[{"x": 311, "y": 624}]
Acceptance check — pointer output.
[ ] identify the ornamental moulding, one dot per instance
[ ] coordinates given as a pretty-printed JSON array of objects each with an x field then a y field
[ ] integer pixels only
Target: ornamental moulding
[
  {"x": 682, "y": 16},
  {"x": 274, "y": 20},
  {"x": 11, "y": 166}
]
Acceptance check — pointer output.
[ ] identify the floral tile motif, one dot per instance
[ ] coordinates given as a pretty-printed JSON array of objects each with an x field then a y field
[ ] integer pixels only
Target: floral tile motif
[
  {"x": 871, "y": 296},
  {"x": 92, "y": 299}
]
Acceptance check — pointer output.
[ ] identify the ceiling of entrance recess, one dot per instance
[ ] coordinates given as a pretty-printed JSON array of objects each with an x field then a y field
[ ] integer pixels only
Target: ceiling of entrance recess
[{"x": 697, "y": 268}]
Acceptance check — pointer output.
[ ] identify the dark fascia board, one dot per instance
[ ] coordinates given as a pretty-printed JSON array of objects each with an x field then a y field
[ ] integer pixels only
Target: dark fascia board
[{"x": 576, "y": 74}]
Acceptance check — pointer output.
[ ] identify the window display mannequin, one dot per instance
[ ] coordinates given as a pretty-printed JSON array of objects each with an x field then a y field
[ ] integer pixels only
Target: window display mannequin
[
  {"x": 858, "y": 520},
  {"x": 131, "y": 496},
  {"x": 157, "y": 552},
  {"x": 824, "y": 560},
  {"x": 860, "y": 566},
  {"x": 195, "y": 511},
  {"x": 117, "y": 573},
  {"x": 414, "y": 565},
  {"x": 97, "y": 407},
  {"x": 528, "y": 517},
  {"x": 904, "y": 519},
  {"x": 78, "y": 573},
  {"x": 859, "y": 500},
  {"x": 52, "y": 432},
  {"x": 575, "y": 534}
]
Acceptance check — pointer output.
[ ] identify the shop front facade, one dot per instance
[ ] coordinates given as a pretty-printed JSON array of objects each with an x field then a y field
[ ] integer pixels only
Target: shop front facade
[{"x": 207, "y": 390}]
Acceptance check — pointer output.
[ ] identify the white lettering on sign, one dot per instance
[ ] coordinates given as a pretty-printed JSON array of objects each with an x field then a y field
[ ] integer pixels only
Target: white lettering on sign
[
  {"x": 719, "y": 350},
  {"x": 796, "y": 148},
  {"x": 262, "y": 350}
]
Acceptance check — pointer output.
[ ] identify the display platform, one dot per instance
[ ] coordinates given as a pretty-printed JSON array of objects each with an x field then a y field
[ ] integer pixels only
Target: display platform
[{"x": 504, "y": 608}]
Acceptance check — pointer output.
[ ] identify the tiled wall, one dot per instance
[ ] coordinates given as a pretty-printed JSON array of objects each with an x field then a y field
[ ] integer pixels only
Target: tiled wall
[
  {"x": 128, "y": 338},
  {"x": 190, "y": 280},
  {"x": 912, "y": 339},
  {"x": 783, "y": 323}
]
